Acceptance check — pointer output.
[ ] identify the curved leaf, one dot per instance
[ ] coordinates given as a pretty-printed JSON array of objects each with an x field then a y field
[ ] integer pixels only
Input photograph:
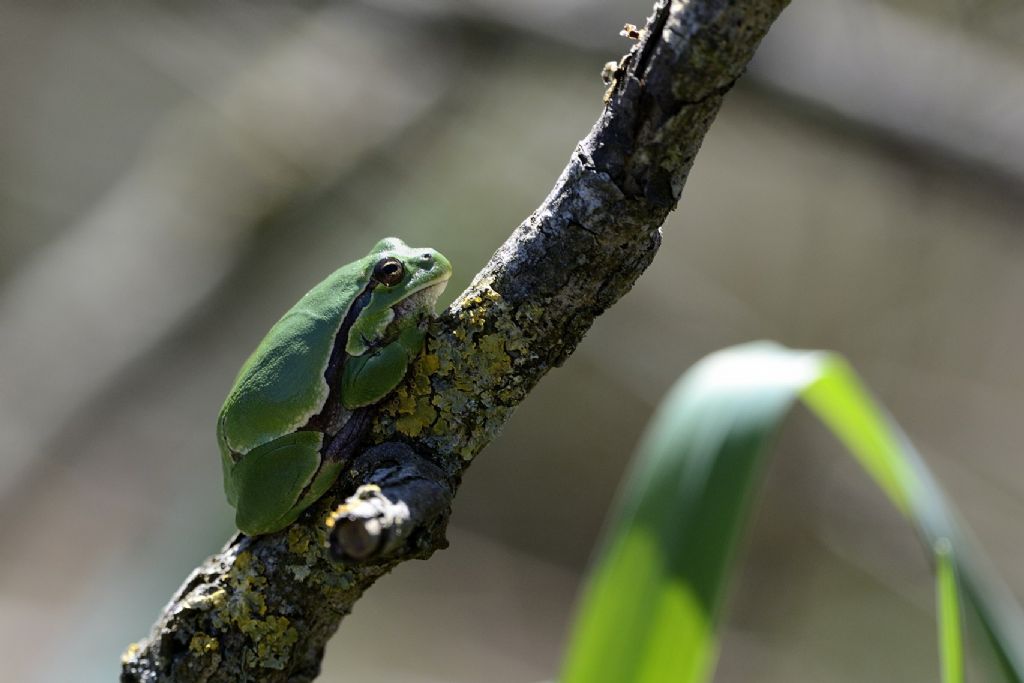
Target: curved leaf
[{"x": 651, "y": 607}]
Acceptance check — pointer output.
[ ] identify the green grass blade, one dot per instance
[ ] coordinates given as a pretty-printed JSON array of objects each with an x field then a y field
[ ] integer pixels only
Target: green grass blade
[
  {"x": 650, "y": 611},
  {"x": 947, "y": 599}
]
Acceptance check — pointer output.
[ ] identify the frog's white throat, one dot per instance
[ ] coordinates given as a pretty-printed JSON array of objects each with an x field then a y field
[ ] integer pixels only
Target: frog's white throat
[{"x": 422, "y": 299}]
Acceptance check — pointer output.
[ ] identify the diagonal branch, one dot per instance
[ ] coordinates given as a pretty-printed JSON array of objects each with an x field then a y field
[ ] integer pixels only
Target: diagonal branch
[{"x": 263, "y": 608}]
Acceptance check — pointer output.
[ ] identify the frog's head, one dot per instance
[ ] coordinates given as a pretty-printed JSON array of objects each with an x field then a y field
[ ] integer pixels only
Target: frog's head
[{"x": 405, "y": 283}]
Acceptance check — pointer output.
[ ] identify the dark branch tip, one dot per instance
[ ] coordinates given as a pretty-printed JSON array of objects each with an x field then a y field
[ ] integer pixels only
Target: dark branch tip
[
  {"x": 355, "y": 539},
  {"x": 357, "y": 527}
]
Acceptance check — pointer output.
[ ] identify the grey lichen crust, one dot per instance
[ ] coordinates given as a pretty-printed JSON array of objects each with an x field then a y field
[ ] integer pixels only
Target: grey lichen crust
[{"x": 263, "y": 608}]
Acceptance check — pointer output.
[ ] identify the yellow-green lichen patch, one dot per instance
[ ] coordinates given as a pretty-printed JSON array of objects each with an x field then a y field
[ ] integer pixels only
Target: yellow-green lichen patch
[
  {"x": 273, "y": 638},
  {"x": 205, "y": 598},
  {"x": 417, "y": 422},
  {"x": 217, "y": 600},
  {"x": 428, "y": 366},
  {"x": 298, "y": 540},
  {"x": 243, "y": 606},
  {"x": 247, "y": 583},
  {"x": 203, "y": 643},
  {"x": 480, "y": 385},
  {"x": 410, "y": 406},
  {"x": 473, "y": 310},
  {"x": 243, "y": 561},
  {"x": 492, "y": 346},
  {"x": 459, "y": 393},
  {"x": 130, "y": 653}
]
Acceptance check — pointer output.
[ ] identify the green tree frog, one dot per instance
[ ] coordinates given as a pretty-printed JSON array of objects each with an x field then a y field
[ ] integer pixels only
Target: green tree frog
[{"x": 303, "y": 400}]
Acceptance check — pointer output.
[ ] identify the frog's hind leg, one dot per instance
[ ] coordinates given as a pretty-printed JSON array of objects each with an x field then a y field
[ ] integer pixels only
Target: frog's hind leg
[{"x": 271, "y": 479}]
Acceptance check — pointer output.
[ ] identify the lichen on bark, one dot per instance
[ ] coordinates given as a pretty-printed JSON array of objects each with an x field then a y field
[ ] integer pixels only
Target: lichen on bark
[{"x": 263, "y": 608}]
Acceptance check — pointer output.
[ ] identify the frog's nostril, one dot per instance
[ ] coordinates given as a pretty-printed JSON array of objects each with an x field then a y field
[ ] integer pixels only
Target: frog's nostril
[{"x": 426, "y": 258}]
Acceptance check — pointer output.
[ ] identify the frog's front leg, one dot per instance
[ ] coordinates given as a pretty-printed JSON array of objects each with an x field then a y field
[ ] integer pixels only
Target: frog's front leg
[{"x": 372, "y": 376}]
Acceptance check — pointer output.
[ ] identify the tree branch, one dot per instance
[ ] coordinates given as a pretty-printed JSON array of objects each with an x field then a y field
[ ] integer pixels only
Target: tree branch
[{"x": 263, "y": 608}]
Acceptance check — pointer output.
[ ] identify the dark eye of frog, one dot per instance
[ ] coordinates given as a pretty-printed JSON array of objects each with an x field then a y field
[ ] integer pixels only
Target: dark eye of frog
[{"x": 388, "y": 271}]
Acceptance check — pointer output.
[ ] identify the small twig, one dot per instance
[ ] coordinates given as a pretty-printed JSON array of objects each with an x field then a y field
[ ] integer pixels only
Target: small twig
[{"x": 404, "y": 495}]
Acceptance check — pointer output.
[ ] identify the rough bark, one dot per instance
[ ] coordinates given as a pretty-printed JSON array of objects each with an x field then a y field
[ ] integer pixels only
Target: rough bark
[{"x": 263, "y": 608}]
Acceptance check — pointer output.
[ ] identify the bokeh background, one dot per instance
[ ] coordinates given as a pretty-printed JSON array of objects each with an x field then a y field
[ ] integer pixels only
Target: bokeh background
[{"x": 173, "y": 176}]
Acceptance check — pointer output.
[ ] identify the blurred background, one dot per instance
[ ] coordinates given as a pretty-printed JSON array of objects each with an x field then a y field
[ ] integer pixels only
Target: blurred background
[{"x": 173, "y": 176}]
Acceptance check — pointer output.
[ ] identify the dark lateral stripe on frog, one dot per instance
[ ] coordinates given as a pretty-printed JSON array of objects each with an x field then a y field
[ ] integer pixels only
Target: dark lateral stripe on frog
[
  {"x": 338, "y": 446},
  {"x": 336, "y": 364}
]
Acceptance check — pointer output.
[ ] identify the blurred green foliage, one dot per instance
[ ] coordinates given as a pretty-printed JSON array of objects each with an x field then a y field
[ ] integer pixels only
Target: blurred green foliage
[{"x": 653, "y": 604}]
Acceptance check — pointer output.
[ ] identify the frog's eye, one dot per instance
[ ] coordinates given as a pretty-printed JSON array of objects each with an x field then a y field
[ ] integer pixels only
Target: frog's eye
[{"x": 388, "y": 271}]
